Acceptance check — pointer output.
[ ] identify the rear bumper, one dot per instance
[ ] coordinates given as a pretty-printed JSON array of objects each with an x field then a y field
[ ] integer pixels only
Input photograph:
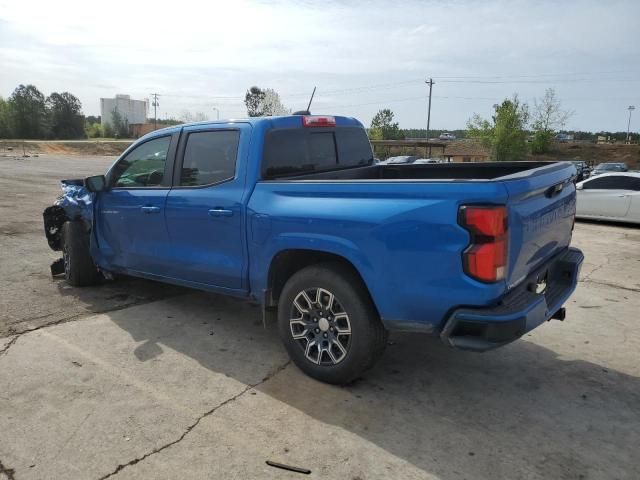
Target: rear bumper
[{"x": 520, "y": 311}]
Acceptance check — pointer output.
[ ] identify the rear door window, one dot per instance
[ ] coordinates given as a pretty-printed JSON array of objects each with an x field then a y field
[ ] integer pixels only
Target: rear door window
[{"x": 209, "y": 158}]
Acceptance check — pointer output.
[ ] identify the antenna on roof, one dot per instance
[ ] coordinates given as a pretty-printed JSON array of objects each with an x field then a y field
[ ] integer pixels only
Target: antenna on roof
[
  {"x": 307, "y": 111},
  {"x": 311, "y": 100}
]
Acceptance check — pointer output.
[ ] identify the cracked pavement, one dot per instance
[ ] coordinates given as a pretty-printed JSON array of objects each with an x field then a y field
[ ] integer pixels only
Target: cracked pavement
[{"x": 136, "y": 380}]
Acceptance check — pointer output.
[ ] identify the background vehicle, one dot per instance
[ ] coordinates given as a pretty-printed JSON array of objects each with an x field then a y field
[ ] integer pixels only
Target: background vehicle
[
  {"x": 609, "y": 167},
  {"x": 447, "y": 136},
  {"x": 610, "y": 196},
  {"x": 292, "y": 213},
  {"x": 582, "y": 168},
  {"x": 400, "y": 159},
  {"x": 425, "y": 160}
]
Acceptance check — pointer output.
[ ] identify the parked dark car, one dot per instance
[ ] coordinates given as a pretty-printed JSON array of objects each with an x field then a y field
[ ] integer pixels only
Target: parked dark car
[
  {"x": 583, "y": 170},
  {"x": 610, "y": 167}
]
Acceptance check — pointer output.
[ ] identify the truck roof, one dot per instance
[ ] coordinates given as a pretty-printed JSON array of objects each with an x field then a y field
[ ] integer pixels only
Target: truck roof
[{"x": 288, "y": 121}]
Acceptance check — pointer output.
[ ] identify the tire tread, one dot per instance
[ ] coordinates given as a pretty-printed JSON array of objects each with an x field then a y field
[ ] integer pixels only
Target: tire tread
[{"x": 82, "y": 271}]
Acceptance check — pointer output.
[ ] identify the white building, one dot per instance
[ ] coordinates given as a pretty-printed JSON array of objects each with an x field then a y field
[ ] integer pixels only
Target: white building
[{"x": 133, "y": 111}]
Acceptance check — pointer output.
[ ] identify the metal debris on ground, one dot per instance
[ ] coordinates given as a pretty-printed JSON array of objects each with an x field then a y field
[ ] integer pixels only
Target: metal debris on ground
[{"x": 291, "y": 468}]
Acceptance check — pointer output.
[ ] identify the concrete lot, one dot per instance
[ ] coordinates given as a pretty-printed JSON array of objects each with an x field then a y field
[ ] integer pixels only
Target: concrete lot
[{"x": 134, "y": 379}]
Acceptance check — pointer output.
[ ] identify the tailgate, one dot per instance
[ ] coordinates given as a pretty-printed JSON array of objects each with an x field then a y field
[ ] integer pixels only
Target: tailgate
[{"x": 542, "y": 206}]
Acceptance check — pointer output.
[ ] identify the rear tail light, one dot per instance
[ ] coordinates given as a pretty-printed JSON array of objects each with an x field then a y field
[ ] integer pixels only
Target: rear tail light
[
  {"x": 318, "y": 121},
  {"x": 485, "y": 258}
]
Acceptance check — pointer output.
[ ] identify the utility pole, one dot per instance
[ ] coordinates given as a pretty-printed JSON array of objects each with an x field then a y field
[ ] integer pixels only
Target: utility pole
[
  {"x": 430, "y": 82},
  {"x": 631, "y": 109},
  {"x": 155, "y": 106}
]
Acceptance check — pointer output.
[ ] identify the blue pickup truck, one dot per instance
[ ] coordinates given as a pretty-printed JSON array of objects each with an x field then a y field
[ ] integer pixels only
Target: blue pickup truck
[{"x": 294, "y": 213}]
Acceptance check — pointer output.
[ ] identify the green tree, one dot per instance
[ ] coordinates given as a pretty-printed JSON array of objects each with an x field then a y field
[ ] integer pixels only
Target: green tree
[
  {"x": 383, "y": 127},
  {"x": 264, "y": 102},
  {"x": 504, "y": 135},
  {"x": 29, "y": 112},
  {"x": 254, "y": 99},
  {"x": 107, "y": 131},
  {"x": 272, "y": 104},
  {"x": 6, "y": 119},
  {"x": 92, "y": 130},
  {"x": 548, "y": 116},
  {"x": 92, "y": 127},
  {"x": 119, "y": 124},
  {"x": 65, "y": 115}
]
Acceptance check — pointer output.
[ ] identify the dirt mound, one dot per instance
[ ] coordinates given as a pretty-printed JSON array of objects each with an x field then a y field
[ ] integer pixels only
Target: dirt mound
[{"x": 594, "y": 154}]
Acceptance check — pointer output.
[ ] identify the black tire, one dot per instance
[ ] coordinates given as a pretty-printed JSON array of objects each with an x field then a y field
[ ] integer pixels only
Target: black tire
[
  {"x": 361, "y": 348},
  {"x": 79, "y": 269}
]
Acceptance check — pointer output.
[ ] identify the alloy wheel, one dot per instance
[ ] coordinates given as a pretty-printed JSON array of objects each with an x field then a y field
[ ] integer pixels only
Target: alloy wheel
[{"x": 320, "y": 326}]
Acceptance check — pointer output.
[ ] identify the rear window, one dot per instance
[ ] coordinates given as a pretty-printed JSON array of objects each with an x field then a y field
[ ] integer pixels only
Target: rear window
[
  {"x": 298, "y": 151},
  {"x": 611, "y": 167}
]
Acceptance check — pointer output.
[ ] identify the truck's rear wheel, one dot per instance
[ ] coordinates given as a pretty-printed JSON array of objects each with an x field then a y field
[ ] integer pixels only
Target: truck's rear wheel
[
  {"x": 329, "y": 325},
  {"x": 79, "y": 269}
]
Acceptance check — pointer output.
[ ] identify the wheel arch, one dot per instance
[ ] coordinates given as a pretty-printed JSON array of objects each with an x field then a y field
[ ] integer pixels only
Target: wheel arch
[
  {"x": 54, "y": 218},
  {"x": 287, "y": 262}
]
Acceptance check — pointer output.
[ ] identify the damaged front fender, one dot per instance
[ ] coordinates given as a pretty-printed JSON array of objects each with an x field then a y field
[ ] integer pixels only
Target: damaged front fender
[{"x": 75, "y": 204}]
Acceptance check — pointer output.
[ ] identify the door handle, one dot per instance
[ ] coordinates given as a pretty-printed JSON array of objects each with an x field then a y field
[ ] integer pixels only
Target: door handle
[
  {"x": 220, "y": 212},
  {"x": 150, "y": 209}
]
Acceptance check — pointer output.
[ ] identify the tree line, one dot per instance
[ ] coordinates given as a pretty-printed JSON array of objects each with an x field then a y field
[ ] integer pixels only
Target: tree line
[
  {"x": 515, "y": 129},
  {"x": 510, "y": 133},
  {"x": 27, "y": 113}
]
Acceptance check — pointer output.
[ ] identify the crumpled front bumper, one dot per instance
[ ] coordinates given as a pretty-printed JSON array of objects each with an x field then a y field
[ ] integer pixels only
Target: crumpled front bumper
[
  {"x": 520, "y": 311},
  {"x": 75, "y": 203}
]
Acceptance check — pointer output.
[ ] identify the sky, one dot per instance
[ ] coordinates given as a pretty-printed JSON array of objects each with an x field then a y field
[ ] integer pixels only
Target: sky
[{"x": 361, "y": 55}]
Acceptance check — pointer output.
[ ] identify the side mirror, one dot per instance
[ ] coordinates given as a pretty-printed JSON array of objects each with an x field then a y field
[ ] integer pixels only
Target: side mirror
[
  {"x": 580, "y": 186},
  {"x": 97, "y": 183}
]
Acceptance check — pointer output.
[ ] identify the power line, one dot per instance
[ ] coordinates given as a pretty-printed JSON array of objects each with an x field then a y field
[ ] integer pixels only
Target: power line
[
  {"x": 539, "y": 75},
  {"x": 575, "y": 80},
  {"x": 442, "y": 79}
]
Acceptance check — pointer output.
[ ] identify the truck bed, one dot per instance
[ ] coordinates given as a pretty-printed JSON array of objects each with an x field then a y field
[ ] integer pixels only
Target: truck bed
[
  {"x": 406, "y": 218},
  {"x": 436, "y": 171}
]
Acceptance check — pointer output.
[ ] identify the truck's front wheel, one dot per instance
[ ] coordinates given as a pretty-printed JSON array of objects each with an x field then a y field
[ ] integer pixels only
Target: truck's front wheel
[
  {"x": 79, "y": 269},
  {"x": 329, "y": 325}
]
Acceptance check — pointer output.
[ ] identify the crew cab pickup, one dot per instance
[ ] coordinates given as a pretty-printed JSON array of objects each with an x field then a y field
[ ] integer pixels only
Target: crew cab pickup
[{"x": 294, "y": 213}]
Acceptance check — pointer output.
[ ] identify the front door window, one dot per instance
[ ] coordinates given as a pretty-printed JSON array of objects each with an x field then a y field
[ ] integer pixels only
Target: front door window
[{"x": 143, "y": 166}]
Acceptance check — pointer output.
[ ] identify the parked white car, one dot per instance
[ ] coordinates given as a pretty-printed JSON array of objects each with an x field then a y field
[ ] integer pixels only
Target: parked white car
[{"x": 610, "y": 196}]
